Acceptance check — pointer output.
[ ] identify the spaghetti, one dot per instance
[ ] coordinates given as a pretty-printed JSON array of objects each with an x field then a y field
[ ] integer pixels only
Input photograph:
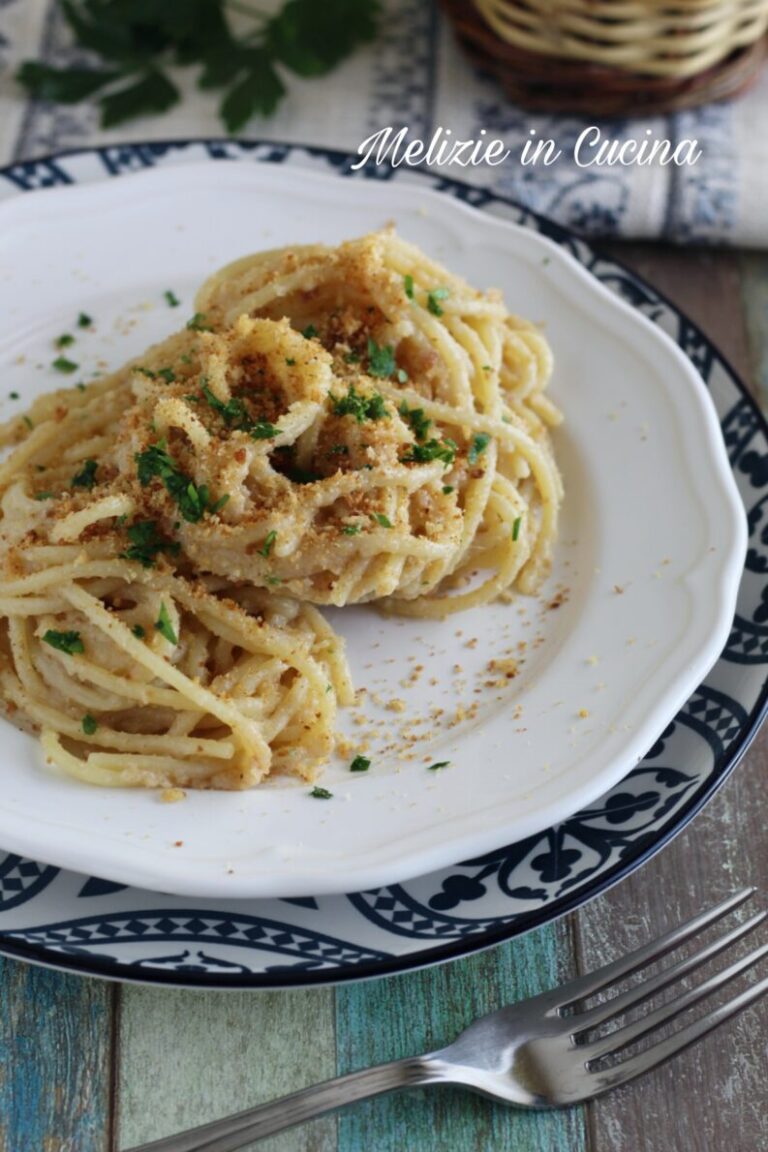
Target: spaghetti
[{"x": 335, "y": 426}]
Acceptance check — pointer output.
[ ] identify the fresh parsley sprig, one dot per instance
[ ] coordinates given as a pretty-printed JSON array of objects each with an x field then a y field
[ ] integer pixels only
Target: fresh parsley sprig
[{"x": 137, "y": 40}]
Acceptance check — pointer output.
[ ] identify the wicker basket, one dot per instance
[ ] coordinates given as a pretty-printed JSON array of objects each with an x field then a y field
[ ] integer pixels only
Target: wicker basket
[{"x": 615, "y": 57}]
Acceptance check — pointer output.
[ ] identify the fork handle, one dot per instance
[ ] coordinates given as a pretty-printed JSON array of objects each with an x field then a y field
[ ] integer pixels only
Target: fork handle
[{"x": 233, "y": 1132}]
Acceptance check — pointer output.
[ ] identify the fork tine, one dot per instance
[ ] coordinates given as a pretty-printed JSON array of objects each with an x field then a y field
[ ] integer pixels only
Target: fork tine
[
  {"x": 665, "y": 1049},
  {"x": 585, "y": 1021},
  {"x": 592, "y": 982},
  {"x": 622, "y": 1037}
]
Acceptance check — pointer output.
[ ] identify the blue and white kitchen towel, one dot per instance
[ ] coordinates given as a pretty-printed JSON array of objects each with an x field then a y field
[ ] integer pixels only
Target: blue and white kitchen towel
[{"x": 416, "y": 76}]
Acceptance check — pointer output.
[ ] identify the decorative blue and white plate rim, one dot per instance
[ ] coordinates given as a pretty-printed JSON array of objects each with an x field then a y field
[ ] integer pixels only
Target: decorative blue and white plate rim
[{"x": 66, "y": 920}]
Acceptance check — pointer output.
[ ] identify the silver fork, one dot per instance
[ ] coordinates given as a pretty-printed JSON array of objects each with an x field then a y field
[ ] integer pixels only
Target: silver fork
[{"x": 540, "y": 1053}]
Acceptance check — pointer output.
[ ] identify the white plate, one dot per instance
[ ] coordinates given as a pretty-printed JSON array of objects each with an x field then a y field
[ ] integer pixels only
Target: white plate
[{"x": 651, "y": 549}]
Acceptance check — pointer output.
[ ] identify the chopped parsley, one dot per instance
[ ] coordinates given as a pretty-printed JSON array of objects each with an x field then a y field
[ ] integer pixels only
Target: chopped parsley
[
  {"x": 516, "y": 527},
  {"x": 138, "y": 631},
  {"x": 164, "y": 626},
  {"x": 61, "y": 364},
  {"x": 167, "y": 374},
  {"x": 310, "y": 332},
  {"x": 147, "y": 543},
  {"x": 352, "y": 529},
  {"x": 193, "y": 500},
  {"x": 352, "y": 357},
  {"x": 84, "y": 320},
  {"x": 274, "y": 580},
  {"x": 263, "y": 430},
  {"x": 360, "y": 406},
  {"x": 68, "y": 642},
  {"x": 444, "y": 450},
  {"x": 321, "y": 793},
  {"x": 447, "y": 489},
  {"x": 198, "y": 323},
  {"x": 433, "y": 300},
  {"x": 290, "y": 361},
  {"x": 380, "y": 518},
  {"x": 381, "y": 359},
  {"x": 80, "y": 387},
  {"x": 268, "y": 544},
  {"x": 13, "y": 395},
  {"x": 64, "y": 340},
  {"x": 408, "y": 286},
  {"x": 418, "y": 421},
  {"x": 231, "y": 412},
  {"x": 360, "y": 764},
  {"x": 439, "y": 764},
  {"x": 89, "y": 724},
  {"x": 479, "y": 444},
  {"x": 86, "y": 477},
  {"x": 44, "y": 495},
  {"x": 28, "y": 422},
  {"x": 171, "y": 299}
]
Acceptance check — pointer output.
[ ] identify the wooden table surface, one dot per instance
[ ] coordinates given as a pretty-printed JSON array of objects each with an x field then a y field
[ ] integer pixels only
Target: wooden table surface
[{"x": 87, "y": 1066}]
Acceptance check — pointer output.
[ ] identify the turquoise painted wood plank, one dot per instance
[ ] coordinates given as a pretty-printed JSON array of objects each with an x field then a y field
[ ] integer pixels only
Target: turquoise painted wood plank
[
  {"x": 55, "y": 1062},
  {"x": 404, "y": 1015},
  {"x": 189, "y": 1057},
  {"x": 754, "y": 292}
]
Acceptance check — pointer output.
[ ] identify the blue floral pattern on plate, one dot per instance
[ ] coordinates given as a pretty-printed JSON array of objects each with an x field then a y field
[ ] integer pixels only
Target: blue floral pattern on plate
[{"x": 98, "y": 927}]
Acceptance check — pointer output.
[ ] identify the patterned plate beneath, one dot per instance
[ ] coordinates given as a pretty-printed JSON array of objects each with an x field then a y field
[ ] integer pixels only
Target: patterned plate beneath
[{"x": 92, "y": 926}]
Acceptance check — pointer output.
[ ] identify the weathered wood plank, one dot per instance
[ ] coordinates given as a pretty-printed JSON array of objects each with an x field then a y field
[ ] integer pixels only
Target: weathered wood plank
[
  {"x": 413, "y": 1013},
  {"x": 714, "y": 1095},
  {"x": 189, "y": 1057},
  {"x": 55, "y": 1066}
]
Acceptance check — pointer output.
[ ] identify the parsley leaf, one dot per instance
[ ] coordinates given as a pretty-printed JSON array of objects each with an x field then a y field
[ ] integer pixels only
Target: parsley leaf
[
  {"x": 230, "y": 411},
  {"x": 147, "y": 543},
  {"x": 164, "y": 626},
  {"x": 360, "y": 764},
  {"x": 380, "y": 518},
  {"x": 138, "y": 631},
  {"x": 408, "y": 286},
  {"x": 152, "y": 92},
  {"x": 263, "y": 430},
  {"x": 268, "y": 544},
  {"x": 444, "y": 450},
  {"x": 64, "y": 340},
  {"x": 89, "y": 724},
  {"x": 310, "y": 332},
  {"x": 68, "y": 642},
  {"x": 360, "y": 406},
  {"x": 381, "y": 359},
  {"x": 349, "y": 529},
  {"x": 516, "y": 527},
  {"x": 61, "y": 364},
  {"x": 84, "y": 320},
  {"x": 321, "y": 793},
  {"x": 198, "y": 324},
  {"x": 86, "y": 477},
  {"x": 63, "y": 85},
  {"x": 193, "y": 501},
  {"x": 258, "y": 93},
  {"x": 433, "y": 300},
  {"x": 439, "y": 764},
  {"x": 479, "y": 444},
  {"x": 312, "y": 38},
  {"x": 171, "y": 299},
  {"x": 418, "y": 421}
]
